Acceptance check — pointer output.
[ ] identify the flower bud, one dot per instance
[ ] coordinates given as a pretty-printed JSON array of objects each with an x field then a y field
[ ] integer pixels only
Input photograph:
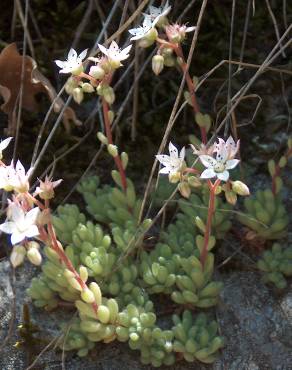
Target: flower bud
[
  {"x": 34, "y": 256},
  {"x": 169, "y": 61},
  {"x": 157, "y": 64},
  {"x": 240, "y": 188},
  {"x": 17, "y": 255},
  {"x": 194, "y": 181},
  {"x": 96, "y": 72},
  {"x": 184, "y": 189},
  {"x": 113, "y": 150},
  {"x": 231, "y": 197},
  {"x": 70, "y": 85},
  {"x": 78, "y": 95},
  {"x": 143, "y": 43},
  {"x": 166, "y": 52},
  {"x": 174, "y": 177},
  {"x": 77, "y": 70},
  {"x": 102, "y": 138},
  {"x": 87, "y": 87},
  {"x": 109, "y": 95},
  {"x": 87, "y": 295},
  {"x": 151, "y": 35},
  {"x": 218, "y": 190}
]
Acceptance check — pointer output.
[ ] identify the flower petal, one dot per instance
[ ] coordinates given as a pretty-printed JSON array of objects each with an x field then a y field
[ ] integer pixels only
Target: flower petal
[
  {"x": 32, "y": 231},
  {"x": 31, "y": 216},
  {"x": 60, "y": 63},
  {"x": 8, "y": 227},
  {"x": 165, "y": 170},
  {"x": 172, "y": 150},
  {"x": 17, "y": 237},
  {"x": 231, "y": 163},
  {"x": 208, "y": 161},
  {"x": 72, "y": 54},
  {"x": 4, "y": 143},
  {"x": 208, "y": 173},
  {"x": 103, "y": 49},
  {"x": 224, "y": 176},
  {"x": 163, "y": 159},
  {"x": 182, "y": 154},
  {"x": 82, "y": 55}
]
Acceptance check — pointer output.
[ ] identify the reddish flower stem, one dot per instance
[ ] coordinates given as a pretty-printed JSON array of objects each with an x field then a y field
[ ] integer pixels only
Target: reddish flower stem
[
  {"x": 211, "y": 209},
  {"x": 278, "y": 170},
  {"x": 109, "y": 136},
  {"x": 196, "y": 109}
]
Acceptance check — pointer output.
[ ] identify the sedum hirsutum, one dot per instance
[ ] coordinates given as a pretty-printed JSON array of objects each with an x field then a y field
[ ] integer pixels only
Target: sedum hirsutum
[{"x": 107, "y": 254}]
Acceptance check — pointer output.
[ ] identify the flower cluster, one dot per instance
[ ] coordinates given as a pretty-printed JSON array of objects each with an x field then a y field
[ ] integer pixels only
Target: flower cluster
[{"x": 24, "y": 216}]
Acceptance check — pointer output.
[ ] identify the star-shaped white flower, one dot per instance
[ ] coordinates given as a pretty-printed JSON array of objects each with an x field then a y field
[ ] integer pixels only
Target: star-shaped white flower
[
  {"x": 173, "y": 162},
  {"x": 20, "y": 179},
  {"x": 73, "y": 64},
  {"x": 115, "y": 54},
  {"x": 142, "y": 31},
  {"x": 3, "y": 145},
  {"x": 22, "y": 225},
  {"x": 156, "y": 13},
  {"x": 224, "y": 161}
]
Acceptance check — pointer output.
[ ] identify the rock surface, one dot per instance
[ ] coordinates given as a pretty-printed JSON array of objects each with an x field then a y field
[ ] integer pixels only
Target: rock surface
[{"x": 254, "y": 321}]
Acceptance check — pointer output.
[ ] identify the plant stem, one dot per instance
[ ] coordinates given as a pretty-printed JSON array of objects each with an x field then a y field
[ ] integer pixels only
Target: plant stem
[
  {"x": 211, "y": 209},
  {"x": 191, "y": 87},
  {"x": 109, "y": 136}
]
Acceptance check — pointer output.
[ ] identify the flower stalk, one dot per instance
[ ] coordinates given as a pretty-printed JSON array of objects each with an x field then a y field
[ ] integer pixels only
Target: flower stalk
[{"x": 211, "y": 209}]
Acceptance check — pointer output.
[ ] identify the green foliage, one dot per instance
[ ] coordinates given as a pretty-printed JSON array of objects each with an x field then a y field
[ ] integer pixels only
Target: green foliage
[
  {"x": 266, "y": 215},
  {"x": 197, "y": 205},
  {"x": 195, "y": 338},
  {"x": 276, "y": 264},
  {"x": 121, "y": 275}
]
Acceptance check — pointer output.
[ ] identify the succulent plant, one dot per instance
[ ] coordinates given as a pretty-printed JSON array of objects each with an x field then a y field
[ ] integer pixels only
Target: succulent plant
[
  {"x": 266, "y": 215},
  {"x": 276, "y": 265}
]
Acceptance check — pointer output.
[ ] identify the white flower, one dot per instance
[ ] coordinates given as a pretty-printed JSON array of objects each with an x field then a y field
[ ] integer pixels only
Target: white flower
[
  {"x": 21, "y": 225},
  {"x": 6, "y": 174},
  {"x": 3, "y": 145},
  {"x": 224, "y": 161},
  {"x": 173, "y": 162},
  {"x": 20, "y": 180},
  {"x": 115, "y": 54},
  {"x": 143, "y": 31},
  {"x": 156, "y": 14},
  {"x": 176, "y": 32},
  {"x": 73, "y": 64}
]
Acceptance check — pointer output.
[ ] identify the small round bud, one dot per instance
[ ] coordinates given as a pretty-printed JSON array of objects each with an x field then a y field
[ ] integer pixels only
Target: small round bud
[
  {"x": 87, "y": 87},
  {"x": 194, "y": 181},
  {"x": 166, "y": 52},
  {"x": 34, "y": 256},
  {"x": 70, "y": 85},
  {"x": 113, "y": 150},
  {"x": 109, "y": 95},
  {"x": 231, "y": 197},
  {"x": 169, "y": 61},
  {"x": 157, "y": 64},
  {"x": 78, "y": 95},
  {"x": 77, "y": 70},
  {"x": 96, "y": 72},
  {"x": 151, "y": 35},
  {"x": 184, "y": 189},
  {"x": 17, "y": 255},
  {"x": 174, "y": 177},
  {"x": 240, "y": 188},
  {"x": 102, "y": 138},
  {"x": 143, "y": 43},
  {"x": 218, "y": 190}
]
